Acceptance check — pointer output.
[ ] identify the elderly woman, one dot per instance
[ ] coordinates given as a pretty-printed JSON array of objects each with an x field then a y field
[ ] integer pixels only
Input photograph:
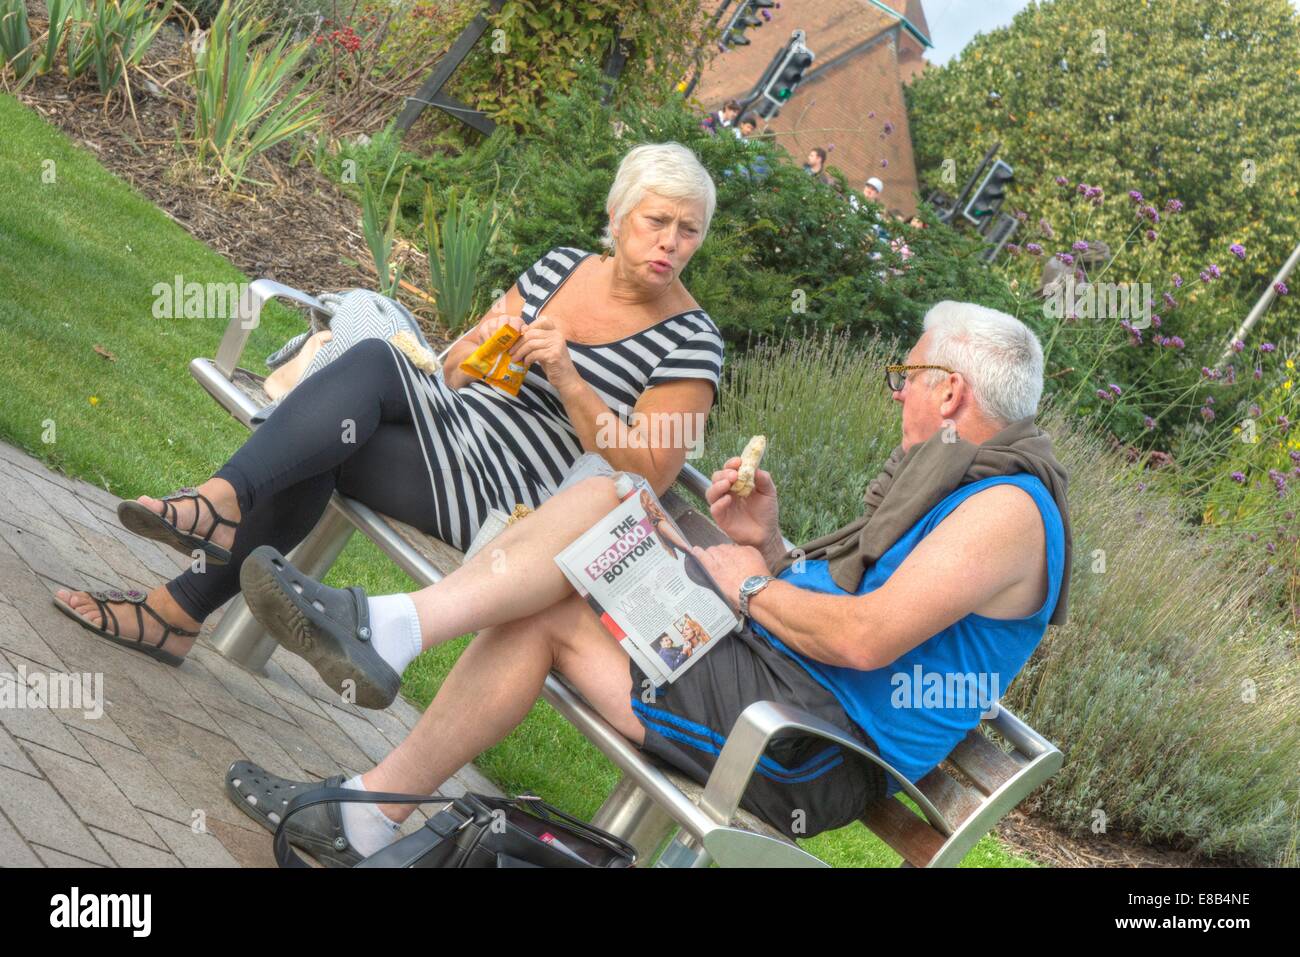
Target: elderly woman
[{"x": 603, "y": 337}]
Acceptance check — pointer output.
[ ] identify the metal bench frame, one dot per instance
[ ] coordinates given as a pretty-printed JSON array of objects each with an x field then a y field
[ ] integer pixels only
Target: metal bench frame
[{"x": 959, "y": 801}]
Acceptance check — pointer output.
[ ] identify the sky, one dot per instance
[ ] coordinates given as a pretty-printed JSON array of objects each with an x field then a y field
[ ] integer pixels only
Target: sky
[{"x": 954, "y": 23}]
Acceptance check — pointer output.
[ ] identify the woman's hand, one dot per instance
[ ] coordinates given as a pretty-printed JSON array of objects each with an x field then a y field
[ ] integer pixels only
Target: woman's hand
[
  {"x": 543, "y": 343},
  {"x": 752, "y": 520},
  {"x": 491, "y": 324}
]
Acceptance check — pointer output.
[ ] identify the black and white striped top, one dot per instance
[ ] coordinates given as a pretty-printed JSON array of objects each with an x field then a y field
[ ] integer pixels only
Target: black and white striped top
[{"x": 485, "y": 448}]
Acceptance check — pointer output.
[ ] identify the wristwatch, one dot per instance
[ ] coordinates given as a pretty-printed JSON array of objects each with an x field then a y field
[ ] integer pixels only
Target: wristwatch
[{"x": 750, "y": 587}]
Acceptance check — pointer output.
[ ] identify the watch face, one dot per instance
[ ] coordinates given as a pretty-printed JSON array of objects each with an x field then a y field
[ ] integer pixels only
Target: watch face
[{"x": 753, "y": 581}]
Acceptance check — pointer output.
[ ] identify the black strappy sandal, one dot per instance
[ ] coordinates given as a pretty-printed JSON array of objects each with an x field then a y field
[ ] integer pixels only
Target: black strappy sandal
[
  {"x": 147, "y": 523},
  {"x": 136, "y": 598}
]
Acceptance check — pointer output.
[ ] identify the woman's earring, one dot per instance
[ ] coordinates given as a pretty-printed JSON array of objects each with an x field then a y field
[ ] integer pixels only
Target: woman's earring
[{"x": 604, "y": 255}]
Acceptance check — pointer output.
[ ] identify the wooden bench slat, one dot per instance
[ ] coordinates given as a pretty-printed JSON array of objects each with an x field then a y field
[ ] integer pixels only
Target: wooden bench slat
[
  {"x": 954, "y": 800},
  {"x": 987, "y": 765},
  {"x": 901, "y": 828}
]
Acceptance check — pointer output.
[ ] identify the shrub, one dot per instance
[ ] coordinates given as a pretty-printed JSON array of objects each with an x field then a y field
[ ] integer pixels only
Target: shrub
[
  {"x": 15, "y": 36},
  {"x": 783, "y": 252},
  {"x": 246, "y": 100},
  {"x": 110, "y": 35}
]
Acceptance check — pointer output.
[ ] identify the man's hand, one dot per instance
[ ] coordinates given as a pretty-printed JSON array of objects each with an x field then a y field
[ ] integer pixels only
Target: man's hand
[
  {"x": 730, "y": 565},
  {"x": 752, "y": 520},
  {"x": 544, "y": 343}
]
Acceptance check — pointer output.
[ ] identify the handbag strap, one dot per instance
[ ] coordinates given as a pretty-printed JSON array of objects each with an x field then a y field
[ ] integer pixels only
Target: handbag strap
[
  {"x": 285, "y": 856},
  {"x": 546, "y": 810}
]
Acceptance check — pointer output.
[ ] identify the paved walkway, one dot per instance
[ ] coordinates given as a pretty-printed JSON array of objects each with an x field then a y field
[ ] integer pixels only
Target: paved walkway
[{"x": 142, "y": 784}]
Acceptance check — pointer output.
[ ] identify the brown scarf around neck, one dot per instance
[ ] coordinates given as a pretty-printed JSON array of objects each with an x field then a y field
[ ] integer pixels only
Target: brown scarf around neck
[{"x": 913, "y": 482}]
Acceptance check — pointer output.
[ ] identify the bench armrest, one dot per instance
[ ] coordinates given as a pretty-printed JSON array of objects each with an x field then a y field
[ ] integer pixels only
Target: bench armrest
[
  {"x": 248, "y": 315},
  {"x": 748, "y": 740}
]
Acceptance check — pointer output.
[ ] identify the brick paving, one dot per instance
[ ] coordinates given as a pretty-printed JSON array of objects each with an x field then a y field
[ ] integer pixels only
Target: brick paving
[{"x": 142, "y": 785}]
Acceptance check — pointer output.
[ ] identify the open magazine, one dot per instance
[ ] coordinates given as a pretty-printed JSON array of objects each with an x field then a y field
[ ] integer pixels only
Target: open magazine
[{"x": 635, "y": 568}]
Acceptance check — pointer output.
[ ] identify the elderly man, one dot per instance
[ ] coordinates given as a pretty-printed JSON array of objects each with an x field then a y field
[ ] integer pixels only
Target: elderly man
[{"x": 954, "y": 571}]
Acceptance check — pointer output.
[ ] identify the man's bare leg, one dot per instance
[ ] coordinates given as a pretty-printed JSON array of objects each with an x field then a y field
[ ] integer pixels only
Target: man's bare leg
[
  {"x": 515, "y": 575},
  {"x": 494, "y": 684}
]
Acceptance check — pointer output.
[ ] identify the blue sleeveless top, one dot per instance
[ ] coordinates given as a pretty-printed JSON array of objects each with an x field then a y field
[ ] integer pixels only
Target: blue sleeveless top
[{"x": 920, "y": 706}]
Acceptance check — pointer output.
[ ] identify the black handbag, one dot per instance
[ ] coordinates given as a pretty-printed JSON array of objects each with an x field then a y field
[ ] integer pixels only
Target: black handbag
[{"x": 475, "y": 830}]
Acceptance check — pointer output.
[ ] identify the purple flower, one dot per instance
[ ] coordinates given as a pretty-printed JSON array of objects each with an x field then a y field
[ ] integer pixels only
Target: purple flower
[
  {"x": 1082, "y": 188},
  {"x": 1062, "y": 181},
  {"x": 1156, "y": 320},
  {"x": 889, "y": 127},
  {"x": 1238, "y": 345},
  {"x": 1205, "y": 276},
  {"x": 1093, "y": 192},
  {"x": 1175, "y": 341},
  {"x": 1174, "y": 206},
  {"x": 1178, "y": 281},
  {"x": 1065, "y": 258},
  {"x": 1169, "y": 299},
  {"x": 1284, "y": 424},
  {"x": 884, "y": 163},
  {"x": 1080, "y": 246},
  {"x": 1033, "y": 249},
  {"x": 1255, "y": 411},
  {"x": 1012, "y": 249},
  {"x": 1151, "y": 235},
  {"x": 1280, "y": 288},
  {"x": 1270, "y": 548},
  {"x": 1238, "y": 477},
  {"x": 1114, "y": 388},
  {"x": 1148, "y": 422},
  {"x": 1150, "y": 213},
  {"x": 1259, "y": 373},
  {"x": 1213, "y": 270},
  {"x": 1266, "y": 347},
  {"x": 1135, "y": 196},
  {"x": 1238, "y": 250},
  {"x": 1295, "y": 456},
  {"x": 1046, "y": 228},
  {"x": 1105, "y": 396},
  {"x": 1207, "y": 414}
]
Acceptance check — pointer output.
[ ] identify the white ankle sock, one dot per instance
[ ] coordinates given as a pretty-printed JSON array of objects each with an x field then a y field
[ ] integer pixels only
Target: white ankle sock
[
  {"x": 368, "y": 829},
  {"x": 395, "y": 629}
]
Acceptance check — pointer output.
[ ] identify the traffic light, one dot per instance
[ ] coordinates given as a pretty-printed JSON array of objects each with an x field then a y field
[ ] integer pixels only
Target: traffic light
[
  {"x": 785, "y": 79},
  {"x": 747, "y": 15},
  {"x": 988, "y": 198}
]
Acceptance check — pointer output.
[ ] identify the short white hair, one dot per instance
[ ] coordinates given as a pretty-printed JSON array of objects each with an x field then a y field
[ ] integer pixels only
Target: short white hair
[
  {"x": 668, "y": 169},
  {"x": 996, "y": 353}
]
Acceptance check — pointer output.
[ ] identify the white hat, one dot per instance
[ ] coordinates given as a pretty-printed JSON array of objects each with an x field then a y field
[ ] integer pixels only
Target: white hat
[{"x": 876, "y": 184}]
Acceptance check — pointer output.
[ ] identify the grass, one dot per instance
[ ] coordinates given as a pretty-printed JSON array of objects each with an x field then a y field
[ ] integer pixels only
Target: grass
[{"x": 79, "y": 258}]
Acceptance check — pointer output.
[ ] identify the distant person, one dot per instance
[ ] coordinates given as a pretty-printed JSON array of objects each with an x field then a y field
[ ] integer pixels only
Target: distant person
[
  {"x": 748, "y": 126},
  {"x": 816, "y": 164},
  {"x": 725, "y": 118},
  {"x": 873, "y": 188}
]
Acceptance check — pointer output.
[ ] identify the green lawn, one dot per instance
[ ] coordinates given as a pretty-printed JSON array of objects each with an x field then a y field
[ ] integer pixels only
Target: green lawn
[{"x": 79, "y": 259}]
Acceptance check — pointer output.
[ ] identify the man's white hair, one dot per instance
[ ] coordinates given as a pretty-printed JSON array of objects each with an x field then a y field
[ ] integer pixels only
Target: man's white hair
[
  {"x": 667, "y": 169},
  {"x": 996, "y": 353}
]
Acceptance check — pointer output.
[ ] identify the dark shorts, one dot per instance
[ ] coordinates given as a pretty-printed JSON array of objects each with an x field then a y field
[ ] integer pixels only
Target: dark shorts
[{"x": 689, "y": 720}]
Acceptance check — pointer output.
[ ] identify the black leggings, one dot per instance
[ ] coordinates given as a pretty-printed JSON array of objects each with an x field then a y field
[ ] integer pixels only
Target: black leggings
[{"x": 348, "y": 427}]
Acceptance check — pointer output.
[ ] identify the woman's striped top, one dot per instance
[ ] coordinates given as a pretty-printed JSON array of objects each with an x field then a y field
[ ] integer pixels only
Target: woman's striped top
[{"x": 485, "y": 448}]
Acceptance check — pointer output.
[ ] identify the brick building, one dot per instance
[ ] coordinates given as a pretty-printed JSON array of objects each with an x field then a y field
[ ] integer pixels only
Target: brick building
[{"x": 851, "y": 99}]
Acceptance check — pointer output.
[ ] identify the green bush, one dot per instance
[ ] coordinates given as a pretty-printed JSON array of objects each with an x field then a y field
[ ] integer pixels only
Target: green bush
[{"x": 783, "y": 253}]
